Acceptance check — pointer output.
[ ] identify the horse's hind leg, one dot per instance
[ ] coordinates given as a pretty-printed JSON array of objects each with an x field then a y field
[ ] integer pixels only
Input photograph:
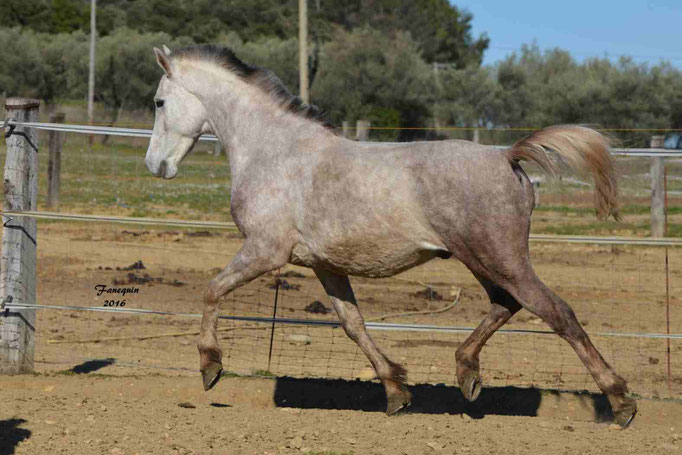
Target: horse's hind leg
[
  {"x": 532, "y": 293},
  {"x": 391, "y": 374},
  {"x": 503, "y": 307},
  {"x": 250, "y": 262}
]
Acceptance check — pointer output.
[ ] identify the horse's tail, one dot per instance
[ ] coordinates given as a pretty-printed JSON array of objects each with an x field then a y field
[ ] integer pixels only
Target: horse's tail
[{"x": 583, "y": 149}]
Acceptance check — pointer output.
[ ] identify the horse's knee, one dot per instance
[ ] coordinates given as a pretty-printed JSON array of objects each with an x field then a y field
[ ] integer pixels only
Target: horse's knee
[
  {"x": 352, "y": 330},
  {"x": 212, "y": 293}
]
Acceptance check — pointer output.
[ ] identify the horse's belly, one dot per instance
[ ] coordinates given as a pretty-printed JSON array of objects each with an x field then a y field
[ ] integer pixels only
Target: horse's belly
[{"x": 365, "y": 260}]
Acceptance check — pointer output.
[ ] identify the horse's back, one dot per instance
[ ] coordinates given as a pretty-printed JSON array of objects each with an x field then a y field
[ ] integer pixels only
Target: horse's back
[{"x": 378, "y": 209}]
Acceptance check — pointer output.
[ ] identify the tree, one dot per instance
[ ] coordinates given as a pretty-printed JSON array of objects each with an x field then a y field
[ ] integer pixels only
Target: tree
[
  {"x": 23, "y": 71},
  {"x": 442, "y": 31},
  {"x": 65, "y": 57},
  {"x": 366, "y": 74},
  {"x": 467, "y": 97},
  {"x": 118, "y": 87},
  {"x": 276, "y": 54},
  {"x": 34, "y": 14},
  {"x": 539, "y": 89},
  {"x": 68, "y": 15}
]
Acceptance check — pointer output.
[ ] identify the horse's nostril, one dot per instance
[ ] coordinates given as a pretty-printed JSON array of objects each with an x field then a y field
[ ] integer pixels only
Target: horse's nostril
[{"x": 162, "y": 168}]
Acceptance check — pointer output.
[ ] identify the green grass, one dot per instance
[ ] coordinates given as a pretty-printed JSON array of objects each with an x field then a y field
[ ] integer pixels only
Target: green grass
[
  {"x": 230, "y": 374},
  {"x": 595, "y": 228},
  {"x": 112, "y": 178},
  {"x": 630, "y": 209},
  {"x": 264, "y": 374}
]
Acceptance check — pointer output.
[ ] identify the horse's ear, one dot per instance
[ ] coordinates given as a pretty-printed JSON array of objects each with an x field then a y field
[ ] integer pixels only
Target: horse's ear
[
  {"x": 163, "y": 61},
  {"x": 167, "y": 50}
]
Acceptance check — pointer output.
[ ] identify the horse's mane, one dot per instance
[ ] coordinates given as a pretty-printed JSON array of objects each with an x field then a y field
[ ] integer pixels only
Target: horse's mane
[{"x": 260, "y": 77}]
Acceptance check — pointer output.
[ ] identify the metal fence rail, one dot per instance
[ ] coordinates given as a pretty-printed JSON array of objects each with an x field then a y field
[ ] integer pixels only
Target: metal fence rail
[
  {"x": 387, "y": 326},
  {"x": 547, "y": 238},
  {"x": 137, "y": 132}
]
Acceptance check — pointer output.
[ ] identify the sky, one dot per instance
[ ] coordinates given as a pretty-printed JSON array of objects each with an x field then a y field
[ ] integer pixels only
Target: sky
[{"x": 647, "y": 30}]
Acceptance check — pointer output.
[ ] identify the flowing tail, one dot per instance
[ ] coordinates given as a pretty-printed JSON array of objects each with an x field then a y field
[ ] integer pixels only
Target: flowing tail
[{"x": 583, "y": 149}]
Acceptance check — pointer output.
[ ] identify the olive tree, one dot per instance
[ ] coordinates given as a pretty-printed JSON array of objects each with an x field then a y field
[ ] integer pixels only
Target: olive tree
[{"x": 368, "y": 75}]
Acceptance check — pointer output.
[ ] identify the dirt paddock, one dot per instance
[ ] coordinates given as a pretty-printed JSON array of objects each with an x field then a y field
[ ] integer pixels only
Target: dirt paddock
[
  {"x": 50, "y": 414},
  {"x": 613, "y": 290},
  {"x": 113, "y": 382}
]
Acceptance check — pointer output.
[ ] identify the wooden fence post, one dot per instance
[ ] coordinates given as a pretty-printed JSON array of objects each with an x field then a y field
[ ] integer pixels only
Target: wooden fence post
[
  {"x": 657, "y": 190},
  {"x": 217, "y": 148},
  {"x": 18, "y": 261},
  {"x": 536, "y": 191},
  {"x": 477, "y": 136},
  {"x": 345, "y": 129},
  {"x": 54, "y": 164},
  {"x": 362, "y": 132}
]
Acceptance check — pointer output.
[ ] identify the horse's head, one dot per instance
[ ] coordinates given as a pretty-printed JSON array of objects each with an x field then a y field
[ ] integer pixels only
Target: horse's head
[{"x": 180, "y": 120}]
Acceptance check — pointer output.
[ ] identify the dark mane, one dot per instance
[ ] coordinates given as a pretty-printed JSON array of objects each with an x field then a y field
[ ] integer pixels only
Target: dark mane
[{"x": 254, "y": 75}]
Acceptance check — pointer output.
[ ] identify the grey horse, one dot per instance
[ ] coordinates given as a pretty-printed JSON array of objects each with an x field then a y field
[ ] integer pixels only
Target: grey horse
[{"x": 304, "y": 195}]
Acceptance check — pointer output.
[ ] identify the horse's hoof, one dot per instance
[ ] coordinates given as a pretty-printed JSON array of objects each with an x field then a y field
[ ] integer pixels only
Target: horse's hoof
[
  {"x": 470, "y": 385},
  {"x": 625, "y": 412},
  {"x": 211, "y": 375},
  {"x": 399, "y": 400}
]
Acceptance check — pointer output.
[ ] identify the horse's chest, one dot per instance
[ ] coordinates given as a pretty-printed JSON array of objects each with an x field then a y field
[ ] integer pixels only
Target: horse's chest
[{"x": 253, "y": 208}]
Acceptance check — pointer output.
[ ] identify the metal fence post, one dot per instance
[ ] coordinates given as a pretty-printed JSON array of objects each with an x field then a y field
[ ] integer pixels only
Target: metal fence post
[
  {"x": 18, "y": 261},
  {"x": 54, "y": 164},
  {"x": 362, "y": 133},
  {"x": 657, "y": 190}
]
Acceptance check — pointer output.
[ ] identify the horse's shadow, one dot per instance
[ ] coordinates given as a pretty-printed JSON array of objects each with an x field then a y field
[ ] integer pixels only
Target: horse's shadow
[
  {"x": 11, "y": 435},
  {"x": 426, "y": 398},
  {"x": 92, "y": 365}
]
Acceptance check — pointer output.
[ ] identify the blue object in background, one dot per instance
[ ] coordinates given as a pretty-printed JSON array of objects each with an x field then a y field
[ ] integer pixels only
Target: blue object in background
[{"x": 673, "y": 141}]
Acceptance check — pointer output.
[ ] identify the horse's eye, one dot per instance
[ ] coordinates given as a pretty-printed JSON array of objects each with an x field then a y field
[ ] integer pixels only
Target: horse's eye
[{"x": 159, "y": 103}]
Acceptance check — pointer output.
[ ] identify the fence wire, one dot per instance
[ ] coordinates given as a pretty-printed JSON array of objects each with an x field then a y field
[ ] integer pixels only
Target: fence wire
[
  {"x": 615, "y": 289},
  {"x": 147, "y": 133}
]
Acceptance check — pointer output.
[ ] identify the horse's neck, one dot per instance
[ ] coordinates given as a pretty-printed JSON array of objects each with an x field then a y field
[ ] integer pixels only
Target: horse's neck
[
  {"x": 260, "y": 138},
  {"x": 248, "y": 123}
]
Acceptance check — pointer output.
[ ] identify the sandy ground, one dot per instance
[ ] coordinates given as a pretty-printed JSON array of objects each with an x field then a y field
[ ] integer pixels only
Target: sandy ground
[
  {"x": 141, "y": 415},
  {"x": 112, "y": 382},
  {"x": 612, "y": 289}
]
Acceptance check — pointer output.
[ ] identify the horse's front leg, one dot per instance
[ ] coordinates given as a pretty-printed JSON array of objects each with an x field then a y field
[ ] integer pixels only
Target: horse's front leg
[
  {"x": 254, "y": 259},
  {"x": 391, "y": 374}
]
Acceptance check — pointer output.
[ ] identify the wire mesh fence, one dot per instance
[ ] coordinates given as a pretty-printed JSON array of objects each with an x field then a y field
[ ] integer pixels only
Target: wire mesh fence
[{"x": 618, "y": 292}]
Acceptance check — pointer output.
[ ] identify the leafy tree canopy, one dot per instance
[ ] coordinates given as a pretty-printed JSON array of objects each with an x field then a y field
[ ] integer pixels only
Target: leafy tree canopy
[
  {"x": 372, "y": 59},
  {"x": 442, "y": 31}
]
